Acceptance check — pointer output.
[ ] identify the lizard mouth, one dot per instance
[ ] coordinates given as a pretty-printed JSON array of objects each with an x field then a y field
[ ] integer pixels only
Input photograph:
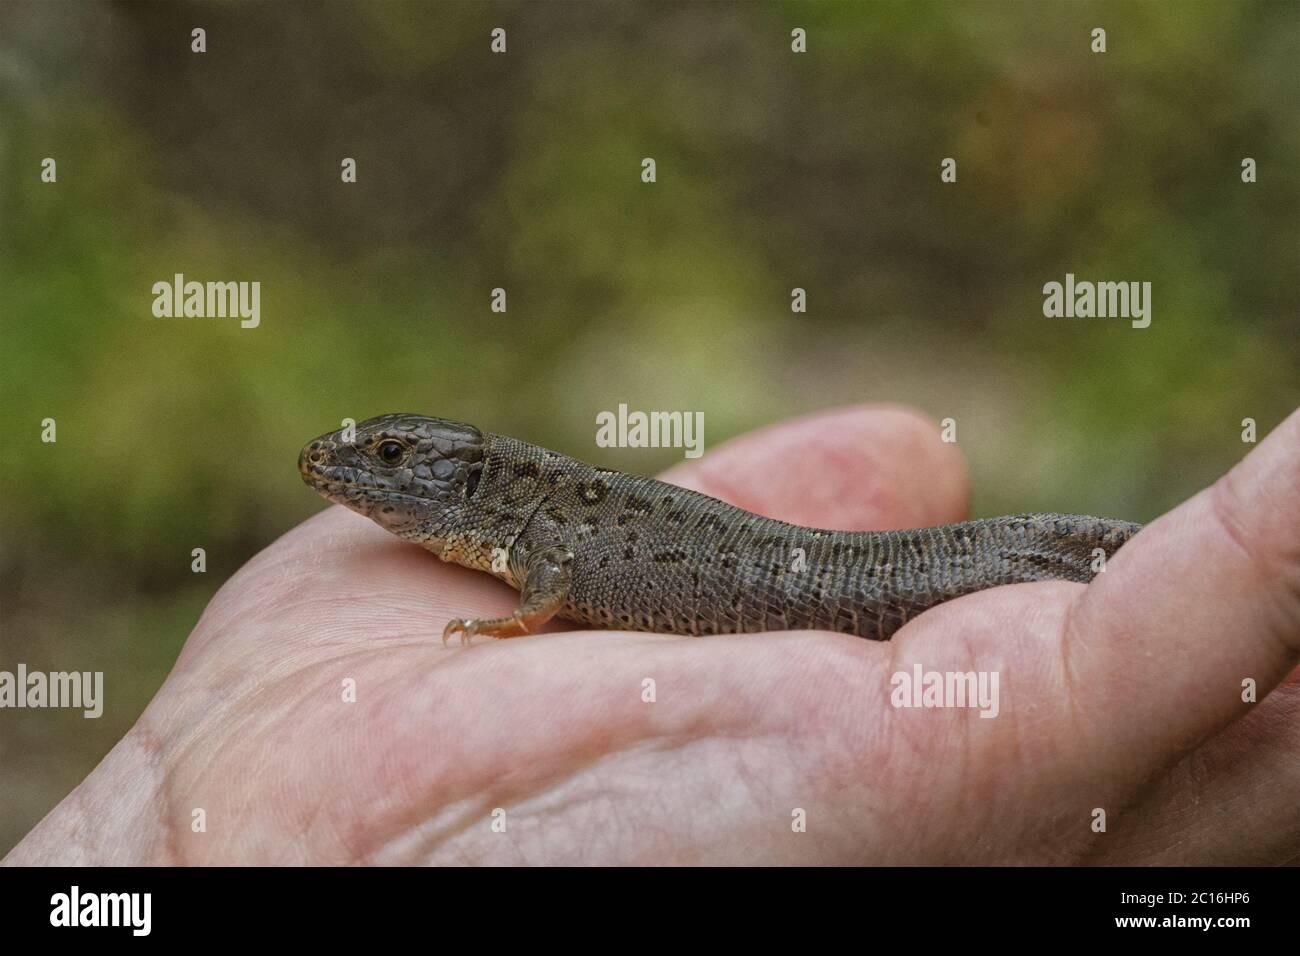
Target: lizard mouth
[
  {"x": 346, "y": 485},
  {"x": 362, "y": 491},
  {"x": 395, "y": 511},
  {"x": 343, "y": 484}
]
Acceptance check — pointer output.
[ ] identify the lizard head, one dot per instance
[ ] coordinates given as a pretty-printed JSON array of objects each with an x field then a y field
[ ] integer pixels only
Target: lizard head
[{"x": 408, "y": 473}]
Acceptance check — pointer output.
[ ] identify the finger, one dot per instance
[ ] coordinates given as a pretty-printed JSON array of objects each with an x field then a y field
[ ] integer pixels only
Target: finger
[
  {"x": 1207, "y": 597},
  {"x": 866, "y": 467},
  {"x": 1231, "y": 801}
]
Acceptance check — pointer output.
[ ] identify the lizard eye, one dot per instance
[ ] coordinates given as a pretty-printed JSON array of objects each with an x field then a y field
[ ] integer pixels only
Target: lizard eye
[{"x": 390, "y": 452}]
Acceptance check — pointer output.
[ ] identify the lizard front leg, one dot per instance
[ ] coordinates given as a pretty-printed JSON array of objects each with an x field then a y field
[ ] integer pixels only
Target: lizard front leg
[{"x": 545, "y": 589}]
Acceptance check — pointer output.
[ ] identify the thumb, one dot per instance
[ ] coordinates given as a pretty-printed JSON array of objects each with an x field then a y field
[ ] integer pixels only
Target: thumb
[{"x": 1159, "y": 648}]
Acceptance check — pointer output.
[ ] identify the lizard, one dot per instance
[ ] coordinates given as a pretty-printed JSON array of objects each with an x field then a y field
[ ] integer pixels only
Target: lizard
[{"x": 607, "y": 549}]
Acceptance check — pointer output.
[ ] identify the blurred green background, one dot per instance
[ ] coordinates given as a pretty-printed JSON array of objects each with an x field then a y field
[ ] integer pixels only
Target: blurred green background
[{"x": 522, "y": 170}]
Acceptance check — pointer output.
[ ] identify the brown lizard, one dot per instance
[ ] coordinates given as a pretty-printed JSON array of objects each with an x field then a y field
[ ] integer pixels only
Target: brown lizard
[{"x": 608, "y": 549}]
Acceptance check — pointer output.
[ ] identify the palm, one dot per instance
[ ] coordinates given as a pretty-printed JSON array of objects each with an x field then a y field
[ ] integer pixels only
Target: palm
[{"x": 1103, "y": 700}]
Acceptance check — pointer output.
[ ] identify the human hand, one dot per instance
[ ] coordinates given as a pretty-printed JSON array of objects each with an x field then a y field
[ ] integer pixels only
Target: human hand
[{"x": 1123, "y": 695}]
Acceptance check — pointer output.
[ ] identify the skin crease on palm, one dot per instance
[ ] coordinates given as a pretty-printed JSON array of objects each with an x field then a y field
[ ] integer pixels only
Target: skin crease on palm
[{"x": 1123, "y": 695}]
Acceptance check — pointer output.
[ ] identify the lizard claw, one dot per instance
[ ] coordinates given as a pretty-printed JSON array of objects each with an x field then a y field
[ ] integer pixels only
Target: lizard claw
[{"x": 467, "y": 628}]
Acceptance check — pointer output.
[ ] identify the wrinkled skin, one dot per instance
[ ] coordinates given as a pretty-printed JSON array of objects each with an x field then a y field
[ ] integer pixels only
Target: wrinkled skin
[{"x": 1124, "y": 695}]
